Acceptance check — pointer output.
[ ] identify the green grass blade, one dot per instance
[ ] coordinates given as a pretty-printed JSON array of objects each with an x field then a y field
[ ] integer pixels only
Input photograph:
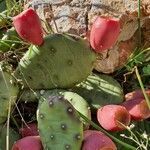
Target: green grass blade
[{"x": 142, "y": 86}]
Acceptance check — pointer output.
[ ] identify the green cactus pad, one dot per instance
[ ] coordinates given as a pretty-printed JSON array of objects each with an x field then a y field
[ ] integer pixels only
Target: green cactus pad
[
  {"x": 59, "y": 125},
  {"x": 61, "y": 62},
  {"x": 13, "y": 137},
  {"x": 80, "y": 104},
  {"x": 8, "y": 92},
  {"x": 76, "y": 100},
  {"x": 100, "y": 90}
]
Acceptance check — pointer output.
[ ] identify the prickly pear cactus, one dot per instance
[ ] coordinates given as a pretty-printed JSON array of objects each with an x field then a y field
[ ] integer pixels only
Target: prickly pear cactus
[
  {"x": 79, "y": 103},
  {"x": 13, "y": 137},
  {"x": 9, "y": 40},
  {"x": 59, "y": 124},
  {"x": 8, "y": 91},
  {"x": 100, "y": 90},
  {"x": 61, "y": 62}
]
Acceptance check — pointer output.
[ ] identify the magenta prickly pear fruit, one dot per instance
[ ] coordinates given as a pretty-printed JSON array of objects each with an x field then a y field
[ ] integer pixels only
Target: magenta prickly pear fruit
[
  {"x": 59, "y": 125},
  {"x": 28, "y": 26},
  {"x": 111, "y": 117},
  {"x": 104, "y": 33},
  {"x": 28, "y": 143},
  {"x": 137, "y": 108},
  {"x": 96, "y": 140},
  {"x": 29, "y": 130}
]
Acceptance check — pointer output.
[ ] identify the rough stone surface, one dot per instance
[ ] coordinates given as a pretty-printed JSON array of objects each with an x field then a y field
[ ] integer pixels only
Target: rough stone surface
[{"x": 77, "y": 16}]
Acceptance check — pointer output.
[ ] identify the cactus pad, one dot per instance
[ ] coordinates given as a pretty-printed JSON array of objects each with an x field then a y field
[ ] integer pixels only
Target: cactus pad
[
  {"x": 59, "y": 124},
  {"x": 100, "y": 90},
  {"x": 61, "y": 62},
  {"x": 79, "y": 103}
]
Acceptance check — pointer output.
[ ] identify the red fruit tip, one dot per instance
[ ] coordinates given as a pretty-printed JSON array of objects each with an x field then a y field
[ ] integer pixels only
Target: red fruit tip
[
  {"x": 104, "y": 33},
  {"x": 28, "y": 26}
]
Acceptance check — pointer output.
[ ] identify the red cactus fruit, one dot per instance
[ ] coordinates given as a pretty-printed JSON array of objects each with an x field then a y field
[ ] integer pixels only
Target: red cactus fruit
[
  {"x": 137, "y": 108},
  {"x": 137, "y": 94},
  {"x": 111, "y": 117},
  {"x": 104, "y": 33},
  {"x": 30, "y": 130},
  {"x": 96, "y": 140},
  {"x": 28, "y": 26},
  {"x": 28, "y": 143}
]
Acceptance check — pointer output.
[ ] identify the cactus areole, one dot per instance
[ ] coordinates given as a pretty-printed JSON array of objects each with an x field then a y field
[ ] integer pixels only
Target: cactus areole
[{"x": 104, "y": 33}]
